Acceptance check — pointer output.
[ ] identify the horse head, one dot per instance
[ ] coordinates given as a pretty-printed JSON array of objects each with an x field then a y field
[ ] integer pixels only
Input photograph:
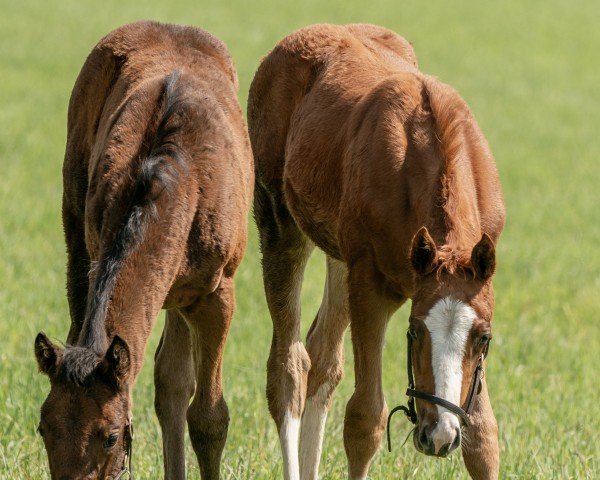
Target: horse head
[{"x": 85, "y": 421}]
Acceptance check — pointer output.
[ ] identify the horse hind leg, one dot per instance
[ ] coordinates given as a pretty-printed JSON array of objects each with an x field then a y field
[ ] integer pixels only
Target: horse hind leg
[
  {"x": 285, "y": 252},
  {"x": 326, "y": 351},
  {"x": 174, "y": 386},
  {"x": 208, "y": 415}
]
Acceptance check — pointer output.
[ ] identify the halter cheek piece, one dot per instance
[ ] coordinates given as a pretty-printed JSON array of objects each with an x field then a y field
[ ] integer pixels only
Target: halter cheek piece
[
  {"x": 128, "y": 443},
  {"x": 410, "y": 411}
]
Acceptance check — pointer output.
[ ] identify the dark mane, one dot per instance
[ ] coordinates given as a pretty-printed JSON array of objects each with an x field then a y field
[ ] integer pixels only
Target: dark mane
[
  {"x": 78, "y": 365},
  {"x": 156, "y": 174}
]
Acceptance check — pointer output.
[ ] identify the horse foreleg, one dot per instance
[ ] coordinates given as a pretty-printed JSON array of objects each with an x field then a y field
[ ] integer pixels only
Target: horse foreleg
[
  {"x": 480, "y": 449},
  {"x": 366, "y": 411}
]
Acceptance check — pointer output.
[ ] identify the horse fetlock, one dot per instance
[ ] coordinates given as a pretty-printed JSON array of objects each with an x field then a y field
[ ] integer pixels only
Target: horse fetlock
[{"x": 363, "y": 431}]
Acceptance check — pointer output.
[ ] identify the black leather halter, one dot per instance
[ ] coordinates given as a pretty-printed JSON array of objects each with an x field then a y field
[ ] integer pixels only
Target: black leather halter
[
  {"x": 128, "y": 443},
  {"x": 410, "y": 411}
]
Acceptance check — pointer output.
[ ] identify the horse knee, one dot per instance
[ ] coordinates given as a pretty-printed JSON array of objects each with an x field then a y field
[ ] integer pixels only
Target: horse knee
[
  {"x": 365, "y": 419},
  {"x": 363, "y": 431},
  {"x": 208, "y": 425}
]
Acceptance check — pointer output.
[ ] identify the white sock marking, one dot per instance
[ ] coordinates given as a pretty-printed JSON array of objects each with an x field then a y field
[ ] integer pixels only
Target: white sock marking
[
  {"x": 288, "y": 438},
  {"x": 449, "y": 322},
  {"x": 312, "y": 433}
]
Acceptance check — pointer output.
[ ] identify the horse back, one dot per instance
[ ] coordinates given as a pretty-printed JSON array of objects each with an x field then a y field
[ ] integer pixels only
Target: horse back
[
  {"x": 116, "y": 106},
  {"x": 301, "y": 110},
  {"x": 357, "y": 153}
]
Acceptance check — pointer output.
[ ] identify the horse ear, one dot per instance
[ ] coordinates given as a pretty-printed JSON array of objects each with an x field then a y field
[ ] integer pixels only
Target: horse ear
[
  {"x": 47, "y": 354},
  {"x": 483, "y": 257},
  {"x": 117, "y": 363},
  {"x": 423, "y": 252}
]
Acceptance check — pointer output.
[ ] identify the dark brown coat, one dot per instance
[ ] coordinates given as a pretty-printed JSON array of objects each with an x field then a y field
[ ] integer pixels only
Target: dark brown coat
[{"x": 157, "y": 184}]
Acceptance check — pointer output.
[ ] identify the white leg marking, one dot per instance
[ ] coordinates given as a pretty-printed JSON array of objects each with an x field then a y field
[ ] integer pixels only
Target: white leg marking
[
  {"x": 312, "y": 433},
  {"x": 449, "y": 322},
  {"x": 288, "y": 437}
]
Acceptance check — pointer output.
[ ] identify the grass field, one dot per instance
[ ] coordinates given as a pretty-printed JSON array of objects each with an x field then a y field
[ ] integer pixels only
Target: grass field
[{"x": 529, "y": 71}]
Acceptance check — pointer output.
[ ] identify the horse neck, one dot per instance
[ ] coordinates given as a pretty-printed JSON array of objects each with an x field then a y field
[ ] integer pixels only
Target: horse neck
[
  {"x": 444, "y": 199},
  {"x": 128, "y": 291},
  {"x": 450, "y": 123},
  {"x": 138, "y": 297},
  {"x": 138, "y": 213},
  {"x": 460, "y": 208},
  {"x": 141, "y": 286}
]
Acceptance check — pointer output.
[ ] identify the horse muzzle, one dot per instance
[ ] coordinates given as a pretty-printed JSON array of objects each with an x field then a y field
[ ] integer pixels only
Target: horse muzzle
[{"x": 440, "y": 438}]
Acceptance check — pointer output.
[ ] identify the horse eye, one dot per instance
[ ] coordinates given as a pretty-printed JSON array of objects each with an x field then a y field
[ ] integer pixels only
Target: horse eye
[
  {"x": 110, "y": 441},
  {"x": 484, "y": 340}
]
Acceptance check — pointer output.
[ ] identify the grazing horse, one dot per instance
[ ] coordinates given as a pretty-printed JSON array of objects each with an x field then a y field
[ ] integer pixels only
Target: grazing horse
[
  {"x": 384, "y": 169},
  {"x": 158, "y": 181}
]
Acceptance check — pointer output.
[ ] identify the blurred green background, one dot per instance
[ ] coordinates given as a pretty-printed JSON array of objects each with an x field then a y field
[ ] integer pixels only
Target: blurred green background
[{"x": 529, "y": 71}]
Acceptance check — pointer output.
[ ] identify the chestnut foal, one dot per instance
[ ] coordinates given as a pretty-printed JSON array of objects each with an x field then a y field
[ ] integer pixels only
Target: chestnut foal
[
  {"x": 385, "y": 169},
  {"x": 158, "y": 180}
]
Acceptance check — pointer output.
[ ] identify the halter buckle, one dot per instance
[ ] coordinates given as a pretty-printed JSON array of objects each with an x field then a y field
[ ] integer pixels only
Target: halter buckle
[{"x": 128, "y": 437}]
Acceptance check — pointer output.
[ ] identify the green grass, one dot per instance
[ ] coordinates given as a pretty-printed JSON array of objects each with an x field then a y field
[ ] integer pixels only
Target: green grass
[{"x": 529, "y": 71}]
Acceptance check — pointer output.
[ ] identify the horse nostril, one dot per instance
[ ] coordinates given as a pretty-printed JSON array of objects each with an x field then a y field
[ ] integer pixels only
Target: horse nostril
[
  {"x": 444, "y": 450},
  {"x": 450, "y": 447},
  {"x": 456, "y": 442},
  {"x": 424, "y": 439}
]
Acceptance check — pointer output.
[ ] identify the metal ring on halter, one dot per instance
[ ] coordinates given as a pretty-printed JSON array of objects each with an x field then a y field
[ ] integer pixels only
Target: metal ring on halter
[{"x": 126, "y": 468}]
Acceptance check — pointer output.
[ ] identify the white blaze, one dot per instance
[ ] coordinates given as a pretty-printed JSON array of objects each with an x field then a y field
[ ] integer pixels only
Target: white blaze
[{"x": 449, "y": 322}]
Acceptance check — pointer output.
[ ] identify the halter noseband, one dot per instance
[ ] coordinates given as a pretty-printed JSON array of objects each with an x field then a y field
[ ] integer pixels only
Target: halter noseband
[
  {"x": 410, "y": 411},
  {"x": 128, "y": 441}
]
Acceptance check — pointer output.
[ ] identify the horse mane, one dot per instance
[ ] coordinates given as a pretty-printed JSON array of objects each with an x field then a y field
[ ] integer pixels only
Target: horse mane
[
  {"x": 452, "y": 117},
  {"x": 78, "y": 365},
  {"x": 156, "y": 174}
]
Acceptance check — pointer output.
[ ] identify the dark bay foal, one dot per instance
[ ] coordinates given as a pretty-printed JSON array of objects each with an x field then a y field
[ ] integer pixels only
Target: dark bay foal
[{"x": 158, "y": 178}]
